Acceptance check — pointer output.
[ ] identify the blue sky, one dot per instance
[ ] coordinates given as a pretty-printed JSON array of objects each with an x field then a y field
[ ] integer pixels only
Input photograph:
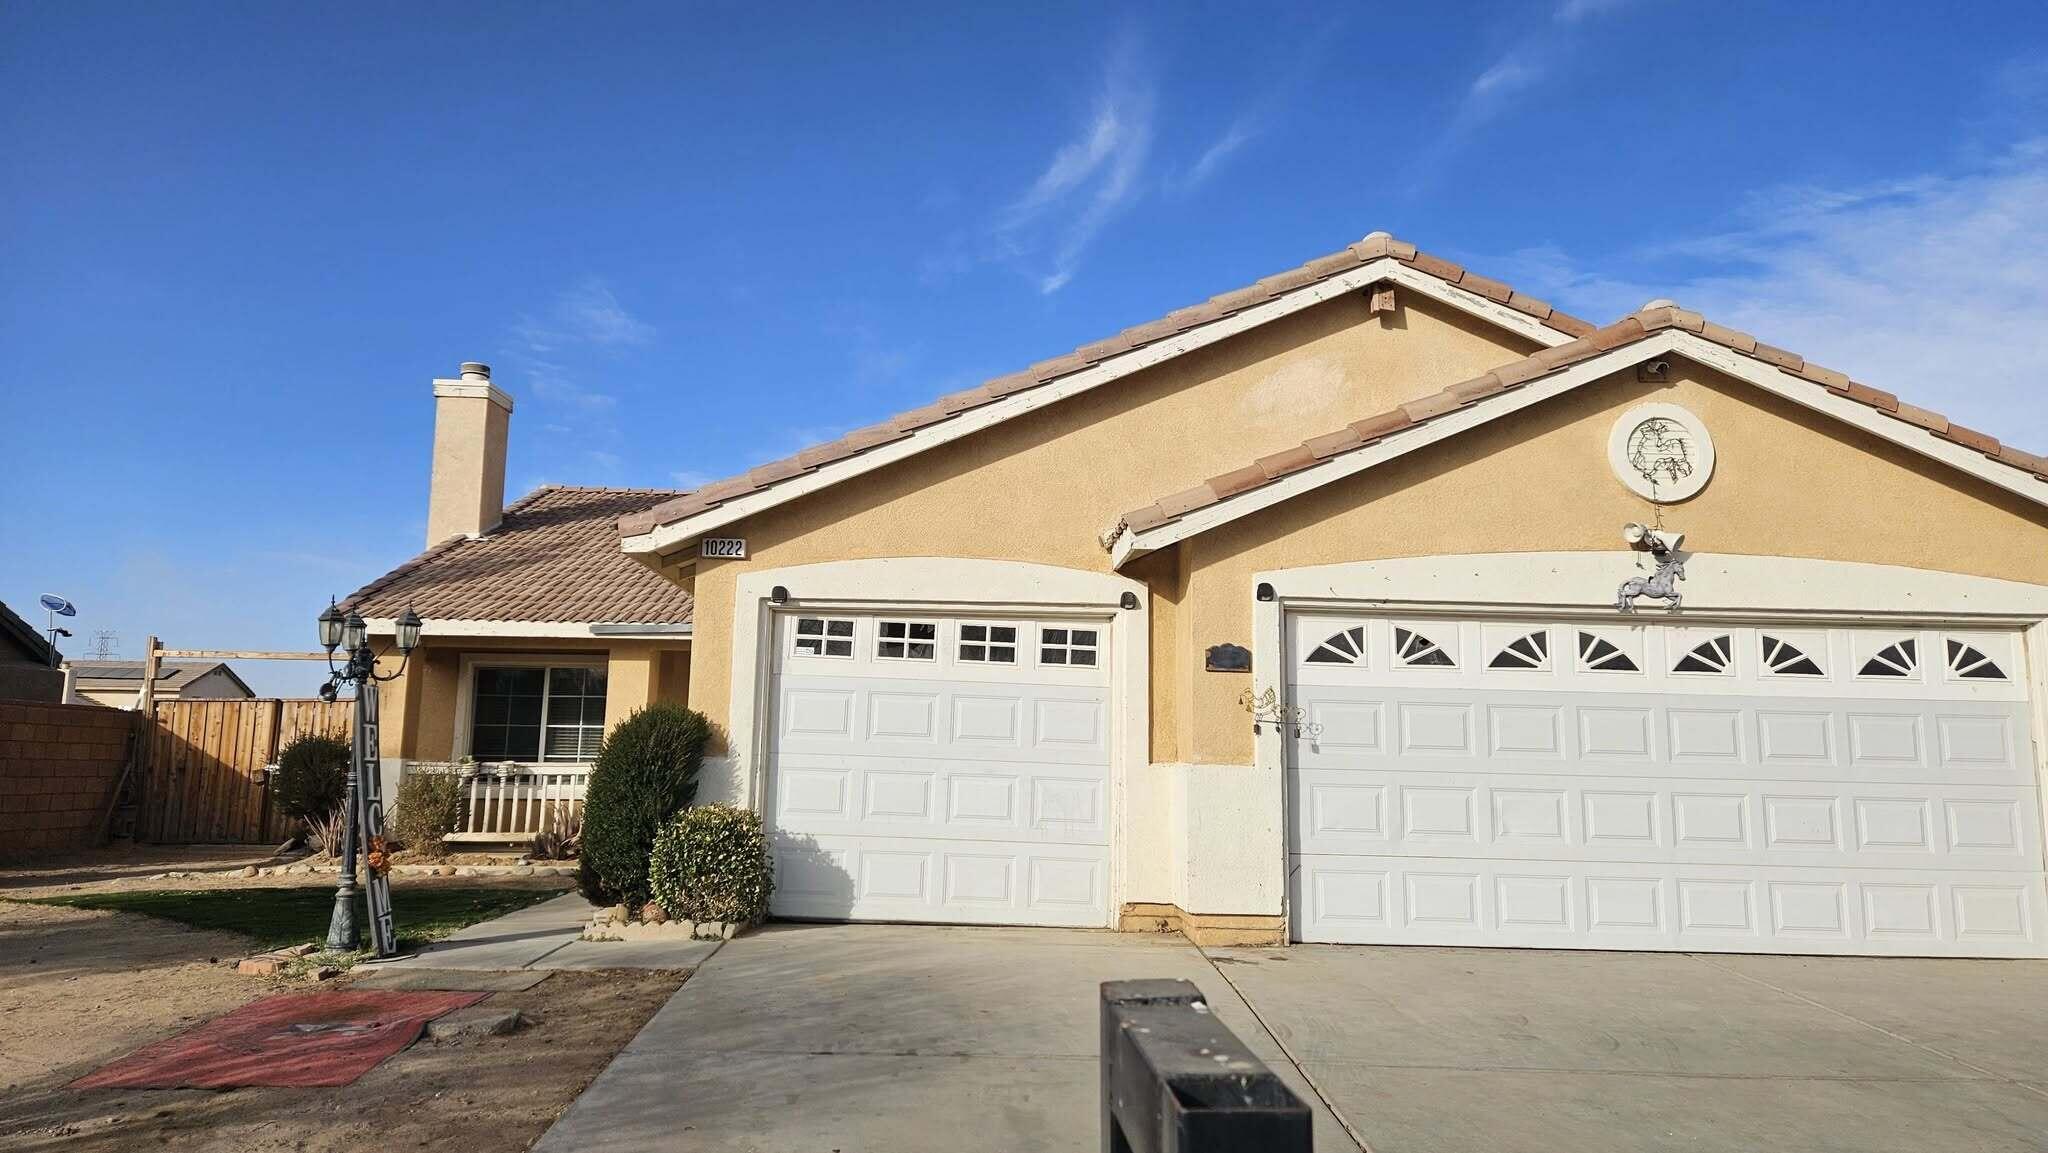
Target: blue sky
[{"x": 238, "y": 240}]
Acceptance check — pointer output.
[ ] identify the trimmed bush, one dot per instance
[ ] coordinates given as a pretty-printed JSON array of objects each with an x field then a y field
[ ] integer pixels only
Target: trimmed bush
[
  {"x": 429, "y": 808},
  {"x": 711, "y": 864},
  {"x": 646, "y": 772},
  {"x": 311, "y": 777}
]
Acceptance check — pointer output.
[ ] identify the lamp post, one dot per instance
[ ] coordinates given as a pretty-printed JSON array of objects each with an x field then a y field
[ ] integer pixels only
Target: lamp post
[{"x": 362, "y": 807}]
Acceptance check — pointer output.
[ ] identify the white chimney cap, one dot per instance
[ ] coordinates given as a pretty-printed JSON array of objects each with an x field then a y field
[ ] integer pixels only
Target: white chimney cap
[
  {"x": 1660, "y": 302},
  {"x": 1379, "y": 236},
  {"x": 475, "y": 370}
]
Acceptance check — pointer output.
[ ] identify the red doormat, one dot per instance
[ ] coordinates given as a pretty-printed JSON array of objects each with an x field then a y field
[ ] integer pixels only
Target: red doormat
[{"x": 297, "y": 1040}]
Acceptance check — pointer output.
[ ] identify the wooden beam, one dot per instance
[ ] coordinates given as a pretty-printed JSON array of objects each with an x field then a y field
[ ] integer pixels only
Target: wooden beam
[
  {"x": 236, "y": 655},
  {"x": 152, "y": 654}
]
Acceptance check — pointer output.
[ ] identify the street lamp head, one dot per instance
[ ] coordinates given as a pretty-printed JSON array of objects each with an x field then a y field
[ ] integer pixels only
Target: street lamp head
[
  {"x": 330, "y": 626},
  {"x": 354, "y": 631},
  {"x": 328, "y": 692},
  {"x": 408, "y": 627}
]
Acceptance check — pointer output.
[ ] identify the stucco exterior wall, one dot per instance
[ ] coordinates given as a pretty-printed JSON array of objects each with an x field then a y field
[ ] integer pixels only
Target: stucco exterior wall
[
  {"x": 1787, "y": 482},
  {"x": 1043, "y": 486}
]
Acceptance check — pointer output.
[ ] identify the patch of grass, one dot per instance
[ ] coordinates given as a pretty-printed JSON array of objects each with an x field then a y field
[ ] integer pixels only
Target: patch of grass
[{"x": 275, "y": 918}]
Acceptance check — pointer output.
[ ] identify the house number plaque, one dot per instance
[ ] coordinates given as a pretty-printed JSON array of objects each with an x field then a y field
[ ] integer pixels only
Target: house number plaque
[{"x": 723, "y": 547}]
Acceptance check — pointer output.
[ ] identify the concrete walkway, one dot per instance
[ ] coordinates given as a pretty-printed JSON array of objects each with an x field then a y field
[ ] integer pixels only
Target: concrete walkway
[
  {"x": 544, "y": 936},
  {"x": 866, "y": 1039}
]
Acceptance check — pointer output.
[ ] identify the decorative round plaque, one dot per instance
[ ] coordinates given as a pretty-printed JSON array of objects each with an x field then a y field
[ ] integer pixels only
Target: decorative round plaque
[{"x": 1661, "y": 452}]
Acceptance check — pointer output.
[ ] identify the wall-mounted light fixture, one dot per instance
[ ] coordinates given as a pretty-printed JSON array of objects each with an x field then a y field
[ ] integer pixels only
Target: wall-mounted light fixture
[
  {"x": 778, "y": 595},
  {"x": 1129, "y": 600},
  {"x": 1265, "y": 592}
]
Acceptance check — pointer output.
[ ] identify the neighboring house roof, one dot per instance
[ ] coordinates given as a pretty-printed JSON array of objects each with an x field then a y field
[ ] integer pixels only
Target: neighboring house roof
[
  {"x": 33, "y": 644},
  {"x": 1491, "y": 299},
  {"x": 554, "y": 558},
  {"x": 1656, "y": 330},
  {"x": 171, "y": 676}
]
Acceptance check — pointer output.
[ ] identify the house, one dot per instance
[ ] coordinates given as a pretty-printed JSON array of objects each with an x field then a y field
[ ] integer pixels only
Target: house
[
  {"x": 1379, "y": 602},
  {"x": 119, "y": 683},
  {"x": 540, "y": 632},
  {"x": 28, "y": 664}
]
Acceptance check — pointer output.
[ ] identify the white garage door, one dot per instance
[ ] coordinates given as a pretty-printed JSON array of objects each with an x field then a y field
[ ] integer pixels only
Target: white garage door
[
  {"x": 928, "y": 768},
  {"x": 1650, "y": 786}
]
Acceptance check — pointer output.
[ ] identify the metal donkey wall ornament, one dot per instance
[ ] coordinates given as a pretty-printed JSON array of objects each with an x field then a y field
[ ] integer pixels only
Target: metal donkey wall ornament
[{"x": 1661, "y": 585}]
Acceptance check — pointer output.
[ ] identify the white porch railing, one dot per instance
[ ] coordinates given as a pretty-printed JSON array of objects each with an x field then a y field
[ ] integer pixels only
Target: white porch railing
[{"x": 510, "y": 802}]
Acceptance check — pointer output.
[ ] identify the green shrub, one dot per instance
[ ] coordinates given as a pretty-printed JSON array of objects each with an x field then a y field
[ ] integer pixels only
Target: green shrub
[
  {"x": 311, "y": 777},
  {"x": 429, "y": 808},
  {"x": 711, "y": 864},
  {"x": 646, "y": 772}
]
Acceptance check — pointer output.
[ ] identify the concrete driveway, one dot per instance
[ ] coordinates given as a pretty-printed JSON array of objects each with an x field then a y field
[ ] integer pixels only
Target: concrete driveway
[{"x": 904, "y": 1039}]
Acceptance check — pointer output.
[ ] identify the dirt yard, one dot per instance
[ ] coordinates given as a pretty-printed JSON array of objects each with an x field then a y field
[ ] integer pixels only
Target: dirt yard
[{"x": 78, "y": 988}]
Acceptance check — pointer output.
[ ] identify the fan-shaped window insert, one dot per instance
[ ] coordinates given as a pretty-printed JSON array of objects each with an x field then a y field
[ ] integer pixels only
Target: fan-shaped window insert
[
  {"x": 1784, "y": 659},
  {"x": 1345, "y": 648},
  {"x": 1412, "y": 648},
  {"x": 1524, "y": 652},
  {"x": 1898, "y": 659},
  {"x": 1966, "y": 662},
  {"x": 1711, "y": 656},
  {"x": 1604, "y": 655}
]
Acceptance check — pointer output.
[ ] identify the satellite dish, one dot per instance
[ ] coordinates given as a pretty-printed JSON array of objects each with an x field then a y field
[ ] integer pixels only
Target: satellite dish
[{"x": 58, "y": 605}]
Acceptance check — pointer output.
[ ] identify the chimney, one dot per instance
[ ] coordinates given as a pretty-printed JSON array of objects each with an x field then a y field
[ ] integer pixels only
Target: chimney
[{"x": 467, "y": 494}]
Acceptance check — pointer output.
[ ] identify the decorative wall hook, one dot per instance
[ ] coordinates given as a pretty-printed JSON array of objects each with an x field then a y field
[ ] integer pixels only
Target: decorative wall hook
[{"x": 1266, "y": 709}]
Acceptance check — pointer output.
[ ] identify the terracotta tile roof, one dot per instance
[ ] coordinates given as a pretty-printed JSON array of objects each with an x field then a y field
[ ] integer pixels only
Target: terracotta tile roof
[
  {"x": 1374, "y": 247},
  {"x": 1515, "y": 374},
  {"x": 555, "y": 558}
]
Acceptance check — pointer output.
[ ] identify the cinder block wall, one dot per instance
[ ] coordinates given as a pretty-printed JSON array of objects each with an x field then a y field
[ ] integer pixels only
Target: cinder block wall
[{"x": 58, "y": 768}]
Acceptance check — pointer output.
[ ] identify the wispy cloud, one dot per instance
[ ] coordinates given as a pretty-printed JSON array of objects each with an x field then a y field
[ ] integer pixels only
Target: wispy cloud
[
  {"x": 1573, "y": 11},
  {"x": 1240, "y": 132},
  {"x": 1090, "y": 178},
  {"x": 1510, "y": 74},
  {"x": 588, "y": 313},
  {"x": 1932, "y": 286}
]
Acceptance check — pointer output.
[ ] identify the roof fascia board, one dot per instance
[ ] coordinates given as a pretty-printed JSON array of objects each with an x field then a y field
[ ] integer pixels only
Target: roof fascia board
[
  {"x": 666, "y": 539},
  {"x": 1132, "y": 545},
  {"x": 1822, "y": 399},
  {"x": 566, "y": 630}
]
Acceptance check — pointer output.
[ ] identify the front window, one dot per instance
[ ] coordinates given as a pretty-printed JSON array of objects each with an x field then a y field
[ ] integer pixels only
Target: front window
[{"x": 531, "y": 713}]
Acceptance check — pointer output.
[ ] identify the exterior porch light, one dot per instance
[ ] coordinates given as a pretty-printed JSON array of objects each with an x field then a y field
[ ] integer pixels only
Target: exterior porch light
[
  {"x": 330, "y": 627},
  {"x": 408, "y": 628},
  {"x": 355, "y": 632},
  {"x": 778, "y": 595}
]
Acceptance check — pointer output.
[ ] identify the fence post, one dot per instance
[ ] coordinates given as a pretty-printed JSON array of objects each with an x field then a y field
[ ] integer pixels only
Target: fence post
[{"x": 1176, "y": 1080}]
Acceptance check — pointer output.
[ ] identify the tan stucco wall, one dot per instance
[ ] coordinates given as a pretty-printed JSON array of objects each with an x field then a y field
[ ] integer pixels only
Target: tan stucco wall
[
  {"x": 1787, "y": 482},
  {"x": 466, "y": 492},
  {"x": 1042, "y": 487},
  {"x": 420, "y": 709}
]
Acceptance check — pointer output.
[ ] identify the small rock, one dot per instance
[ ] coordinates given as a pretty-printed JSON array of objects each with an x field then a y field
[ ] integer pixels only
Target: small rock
[
  {"x": 258, "y": 967},
  {"x": 249, "y": 870},
  {"x": 653, "y": 914},
  {"x": 728, "y": 930},
  {"x": 523, "y": 871},
  {"x": 476, "y": 1022},
  {"x": 444, "y": 871},
  {"x": 323, "y": 973},
  {"x": 686, "y": 928},
  {"x": 300, "y": 950},
  {"x": 616, "y": 915}
]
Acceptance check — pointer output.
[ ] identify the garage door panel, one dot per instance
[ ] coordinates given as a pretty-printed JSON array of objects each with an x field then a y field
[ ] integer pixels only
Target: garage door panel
[
  {"x": 1564, "y": 805},
  {"x": 1453, "y": 900},
  {"x": 1699, "y": 819},
  {"x": 1616, "y": 734},
  {"x": 941, "y": 789},
  {"x": 836, "y": 877}
]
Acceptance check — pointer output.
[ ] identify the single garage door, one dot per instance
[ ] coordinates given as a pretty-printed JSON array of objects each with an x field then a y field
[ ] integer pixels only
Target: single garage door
[
  {"x": 941, "y": 768},
  {"x": 1655, "y": 786}
]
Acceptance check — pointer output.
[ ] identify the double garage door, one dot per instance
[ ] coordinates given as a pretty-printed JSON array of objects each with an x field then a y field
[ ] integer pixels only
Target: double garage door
[
  {"x": 935, "y": 768},
  {"x": 1650, "y": 786}
]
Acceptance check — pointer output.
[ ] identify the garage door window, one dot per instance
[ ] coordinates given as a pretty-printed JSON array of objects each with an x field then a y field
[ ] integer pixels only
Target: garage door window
[
  {"x": 1715, "y": 657},
  {"x": 1966, "y": 662},
  {"x": 1413, "y": 649},
  {"x": 1344, "y": 648},
  {"x": 824, "y": 637},
  {"x": 907, "y": 640},
  {"x": 1782, "y": 658},
  {"x": 1067, "y": 646},
  {"x": 988, "y": 644},
  {"x": 1530, "y": 651},
  {"x": 1900, "y": 659},
  {"x": 1601, "y": 655}
]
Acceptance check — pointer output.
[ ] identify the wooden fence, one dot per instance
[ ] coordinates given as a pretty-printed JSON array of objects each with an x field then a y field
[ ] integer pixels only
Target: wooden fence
[{"x": 204, "y": 779}]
